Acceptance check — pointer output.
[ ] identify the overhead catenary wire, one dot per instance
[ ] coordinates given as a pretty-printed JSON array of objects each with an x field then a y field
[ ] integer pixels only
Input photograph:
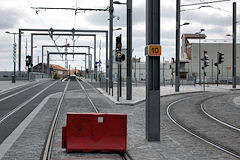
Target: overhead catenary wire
[{"x": 202, "y": 3}]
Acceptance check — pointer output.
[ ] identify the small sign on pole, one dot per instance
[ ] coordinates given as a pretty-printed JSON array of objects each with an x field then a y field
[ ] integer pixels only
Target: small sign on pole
[
  {"x": 153, "y": 50},
  {"x": 228, "y": 68}
]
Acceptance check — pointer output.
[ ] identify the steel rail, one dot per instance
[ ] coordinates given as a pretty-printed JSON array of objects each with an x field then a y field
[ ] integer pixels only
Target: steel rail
[
  {"x": 208, "y": 141},
  {"x": 218, "y": 120},
  {"x": 124, "y": 156},
  {"x": 48, "y": 146},
  {"x": 89, "y": 99}
]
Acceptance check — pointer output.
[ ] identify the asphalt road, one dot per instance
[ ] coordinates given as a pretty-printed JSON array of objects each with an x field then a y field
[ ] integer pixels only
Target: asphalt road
[{"x": 7, "y": 106}]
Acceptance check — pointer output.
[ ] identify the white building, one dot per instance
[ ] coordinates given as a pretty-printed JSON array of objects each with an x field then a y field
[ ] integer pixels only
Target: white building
[{"x": 211, "y": 70}]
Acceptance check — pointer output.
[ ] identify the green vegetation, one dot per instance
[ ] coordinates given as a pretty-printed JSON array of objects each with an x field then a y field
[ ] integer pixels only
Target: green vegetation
[{"x": 56, "y": 75}]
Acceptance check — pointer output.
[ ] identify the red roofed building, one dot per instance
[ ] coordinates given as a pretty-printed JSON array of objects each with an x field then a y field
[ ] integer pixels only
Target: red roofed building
[{"x": 61, "y": 71}]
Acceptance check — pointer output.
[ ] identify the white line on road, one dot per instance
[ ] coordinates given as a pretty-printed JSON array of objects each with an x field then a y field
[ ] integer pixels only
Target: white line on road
[
  {"x": 19, "y": 92},
  {"x": 9, "y": 141},
  {"x": 24, "y": 103}
]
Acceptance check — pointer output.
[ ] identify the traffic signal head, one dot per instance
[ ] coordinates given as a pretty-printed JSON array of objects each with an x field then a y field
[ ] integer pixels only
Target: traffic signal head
[
  {"x": 220, "y": 58},
  {"x": 206, "y": 60},
  {"x": 123, "y": 57},
  {"x": 119, "y": 43},
  {"x": 28, "y": 61}
]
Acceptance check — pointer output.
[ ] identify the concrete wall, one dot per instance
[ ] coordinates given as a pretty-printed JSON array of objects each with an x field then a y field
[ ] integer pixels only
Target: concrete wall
[{"x": 7, "y": 75}]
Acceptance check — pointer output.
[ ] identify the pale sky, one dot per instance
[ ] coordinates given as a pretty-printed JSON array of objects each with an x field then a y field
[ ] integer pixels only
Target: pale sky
[{"x": 216, "y": 19}]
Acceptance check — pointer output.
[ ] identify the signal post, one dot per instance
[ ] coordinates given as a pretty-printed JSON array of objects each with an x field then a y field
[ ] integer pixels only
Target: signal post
[
  {"x": 153, "y": 70},
  {"x": 119, "y": 58}
]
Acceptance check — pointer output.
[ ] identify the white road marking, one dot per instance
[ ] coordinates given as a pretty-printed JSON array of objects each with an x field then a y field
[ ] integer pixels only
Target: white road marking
[
  {"x": 19, "y": 92},
  {"x": 24, "y": 103},
  {"x": 9, "y": 141}
]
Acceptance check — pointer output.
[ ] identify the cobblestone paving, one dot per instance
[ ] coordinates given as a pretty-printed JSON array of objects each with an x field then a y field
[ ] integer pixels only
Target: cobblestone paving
[
  {"x": 189, "y": 114},
  {"x": 225, "y": 108},
  {"x": 175, "y": 143},
  {"x": 30, "y": 144},
  {"x": 75, "y": 101}
]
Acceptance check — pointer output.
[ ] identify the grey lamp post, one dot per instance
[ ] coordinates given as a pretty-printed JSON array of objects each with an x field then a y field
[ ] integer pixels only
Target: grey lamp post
[
  {"x": 129, "y": 47},
  {"x": 199, "y": 55},
  {"x": 178, "y": 47},
  {"x": 14, "y": 54}
]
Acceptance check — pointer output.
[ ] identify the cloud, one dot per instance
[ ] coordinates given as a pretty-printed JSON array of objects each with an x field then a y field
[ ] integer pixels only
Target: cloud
[{"x": 10, "y": 17}]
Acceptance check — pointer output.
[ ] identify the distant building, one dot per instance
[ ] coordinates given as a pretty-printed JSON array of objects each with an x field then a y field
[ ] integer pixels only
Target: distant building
[
  {"x": 139, "y": 72},
  {"x": 212, "y": 48},
  {"x": 61, "y": 71}
]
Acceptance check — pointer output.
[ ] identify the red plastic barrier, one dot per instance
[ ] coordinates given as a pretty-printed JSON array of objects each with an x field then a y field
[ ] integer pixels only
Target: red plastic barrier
[
  {"x": 95, "y": 132},
  {"x": 64, "y": 137}
]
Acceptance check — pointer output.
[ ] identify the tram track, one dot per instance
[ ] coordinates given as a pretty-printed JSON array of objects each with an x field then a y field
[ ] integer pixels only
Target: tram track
[
  {"x": 196, "y": 132},
  {"x": 49, "y": 143}
]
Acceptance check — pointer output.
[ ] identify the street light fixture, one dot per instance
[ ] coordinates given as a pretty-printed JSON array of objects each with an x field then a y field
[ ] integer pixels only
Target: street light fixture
[
  {"x": 118, "y": 2},
  {"x": 184, "y": 24},
  {"x": 14, "y": 55},
  {"x": 117, "y": 29},
  {"x": 177, "y": 84}
]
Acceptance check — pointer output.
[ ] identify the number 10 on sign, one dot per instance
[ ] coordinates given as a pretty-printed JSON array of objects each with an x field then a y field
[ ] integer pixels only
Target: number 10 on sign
[{"x": 154, "y": 50}]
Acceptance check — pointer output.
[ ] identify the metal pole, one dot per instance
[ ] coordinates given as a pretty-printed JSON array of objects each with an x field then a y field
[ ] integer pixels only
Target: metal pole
[
  {"x": 199, "y": 61},
  {"x": 217, "y": 74},
  {"x": 107, "y": 65},
  {"x": 89, "y": 63},
  {"x": 48, "y": 68},
  {"x": 19, "y": 49},
  {"x": 94, "y": 58},
  {"x": 129, "y": 49},
  {"x": 234, "y": 78},
  {"x": 118, "y": 83},
  {"x": 85, "y": 66},
  {"x": 135, "y": 74},
  {"x": 69, "y": 70},
  {"x": 227, "y": 76},
  {"x": 31, "y": 53},
  {"x": 153, "y": 72},
  {"x": 120, "y": 72},
  {"x": 222, "y": 71},
  {"x": 110, "y": 45},
  {"x": 42, "y": 59},
  {"x": 14, "y": 59},
  {"x": 163, "y": 73},
  {"x": 178, "y": 18},
  {"x": 172, "y": 77},
  {"x": 204, "y": 75},
  {"x": 212, "y": 70}
]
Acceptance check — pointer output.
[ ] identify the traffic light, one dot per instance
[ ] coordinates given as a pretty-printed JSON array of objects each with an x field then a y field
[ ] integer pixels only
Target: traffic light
[
  {"x": 122, "y": 57},
  {"x": 119, "y": 43},
  {"x": 206, "y": 59},
  {"x": 28, "y": 61},
  {"x": 119, "y": 56},
  {"x": 220, "y": 57}
]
